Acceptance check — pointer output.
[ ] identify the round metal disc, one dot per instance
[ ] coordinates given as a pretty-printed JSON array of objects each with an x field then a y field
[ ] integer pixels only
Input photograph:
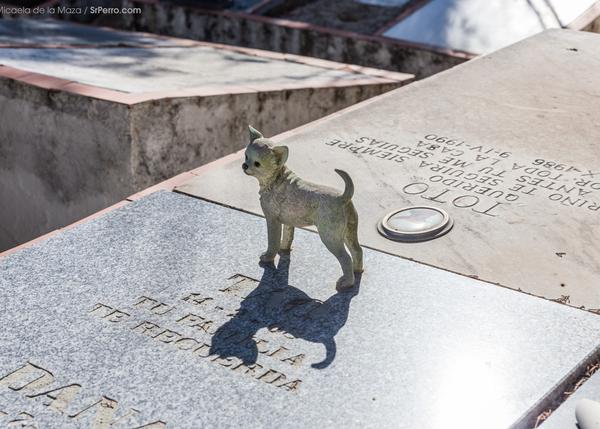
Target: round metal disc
[{"x": 418, "y": 223}]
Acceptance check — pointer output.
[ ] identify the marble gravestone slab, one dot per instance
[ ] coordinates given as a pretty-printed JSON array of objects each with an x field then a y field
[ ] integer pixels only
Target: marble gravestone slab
[
  {"x": 507, "y": 144},
  {"x": 564, "y": 416},
  {"x": 157, "y": 315}
]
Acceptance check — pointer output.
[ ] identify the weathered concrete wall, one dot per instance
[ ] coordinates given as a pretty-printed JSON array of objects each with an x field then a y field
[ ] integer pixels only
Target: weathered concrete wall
[
  {"x": 285, "y": 36},
  {"x": 170, "y": 136},
  {"x": 64, "y": 156}
]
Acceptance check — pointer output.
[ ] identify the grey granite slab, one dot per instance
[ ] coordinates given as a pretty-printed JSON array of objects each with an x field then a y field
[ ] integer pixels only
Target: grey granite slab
[
  {"x": 159, "y": 313},
  {"x": 564, "y": 416},
  {"x": 136, "y": 70},
  {"x": 507, "y": 144},
  {"x": 25, "y": 31}
]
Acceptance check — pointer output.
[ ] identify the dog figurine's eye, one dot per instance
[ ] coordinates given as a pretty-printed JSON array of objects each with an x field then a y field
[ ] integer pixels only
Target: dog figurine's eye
[{"x": 257, "y": 164}]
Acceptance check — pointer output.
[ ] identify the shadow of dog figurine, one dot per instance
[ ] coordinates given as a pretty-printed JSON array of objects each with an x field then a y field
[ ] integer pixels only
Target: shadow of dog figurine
[
  {"x": 289, "y": 201},
  {"x": 275, "y": 304}
]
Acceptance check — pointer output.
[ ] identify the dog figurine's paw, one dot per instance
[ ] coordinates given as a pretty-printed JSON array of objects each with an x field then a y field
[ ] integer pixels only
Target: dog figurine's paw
[
  {"x": 267, "y": 257},
  {"x": 344, "y": 283}
]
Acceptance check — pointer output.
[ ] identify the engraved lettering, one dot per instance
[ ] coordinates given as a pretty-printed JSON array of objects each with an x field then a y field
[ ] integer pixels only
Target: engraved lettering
[
  {"x": 108, "y": 313},
  {"x": 262, "y": 346},
  {"x": 281, "y": 350},
  {"x": 198, "y": 322},
  {"x": 145, "y": 302},
  {"x": 203, "y": 350},
  {"x": 60, "y": 397},
  {"x": 116, "y": 316},
  {"x": 248, "y": 369},
  {"x": 105, "y": 410},
  {"x": 147, "y": 328},
  {"x": 197, "y": 299},
  {"x": 488, "y": 211},
  {"x": 415, "y": 188},
  {"x": 101, "y": 309},
  {"x": 186, "y": 343},
  {"x": 153, "y": 305},
  {"x": 435, "y": 198},
  {"x": 464, "y": 201},
  {"x": 226, "y": 361},
  {"x": 241, "y": 286},
  {"x": 294, "y": 360},
  {"x": 35, "y": 377},
  {"x": 167, "y": 336},
  {"x": 291, "y": 385},
  {"x": 161, "y": 309},
  {"x": 41, "y": 378},
  {"x": 271, "y": 376}
]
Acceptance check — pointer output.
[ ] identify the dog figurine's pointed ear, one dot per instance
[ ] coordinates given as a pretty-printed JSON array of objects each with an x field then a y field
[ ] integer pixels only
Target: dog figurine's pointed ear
[
  {"x": 281, "y": 153},
  {"x": 254, "y": 133}
]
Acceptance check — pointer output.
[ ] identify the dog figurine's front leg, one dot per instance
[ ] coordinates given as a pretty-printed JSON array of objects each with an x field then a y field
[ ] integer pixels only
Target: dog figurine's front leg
[
  {"x": 274, "y": 240},
  {"x": 288, "y": 237}
]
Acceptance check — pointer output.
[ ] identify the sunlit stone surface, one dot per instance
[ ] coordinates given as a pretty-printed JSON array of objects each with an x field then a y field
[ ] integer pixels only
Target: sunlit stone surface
[
  {"x": 157, "y": 313},
  {"x": 506, "y": 144}
]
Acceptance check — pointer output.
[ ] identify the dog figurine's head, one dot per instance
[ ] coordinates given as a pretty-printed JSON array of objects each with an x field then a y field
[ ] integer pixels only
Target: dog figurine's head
[{"x": 263, "y": 159}]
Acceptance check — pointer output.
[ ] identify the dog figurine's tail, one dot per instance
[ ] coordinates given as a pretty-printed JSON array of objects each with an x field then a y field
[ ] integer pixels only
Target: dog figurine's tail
[
  {"x": 349, "y": 189},
  {"x": 330, "y": 350}
]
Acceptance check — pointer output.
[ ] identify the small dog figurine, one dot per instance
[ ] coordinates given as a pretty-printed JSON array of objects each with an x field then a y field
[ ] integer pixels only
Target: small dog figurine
[{"x": 292, "y": 202}]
